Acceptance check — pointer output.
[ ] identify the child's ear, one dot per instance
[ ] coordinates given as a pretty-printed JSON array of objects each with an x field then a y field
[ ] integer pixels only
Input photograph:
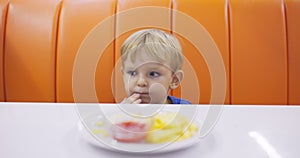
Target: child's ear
[{"x": 176, "y": 79}]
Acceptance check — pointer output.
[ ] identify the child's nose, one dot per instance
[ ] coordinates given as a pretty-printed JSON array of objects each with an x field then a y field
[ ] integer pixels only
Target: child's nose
[{"x": 141, "y": 82}]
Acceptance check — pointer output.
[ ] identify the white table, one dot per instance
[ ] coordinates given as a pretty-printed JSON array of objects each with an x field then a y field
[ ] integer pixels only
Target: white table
[{"x": 37, "y": 130}]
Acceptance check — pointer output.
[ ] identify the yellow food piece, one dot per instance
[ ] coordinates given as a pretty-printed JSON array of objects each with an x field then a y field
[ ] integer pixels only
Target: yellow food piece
[
  {"x": 99, "y": 123},
  {"x": 169, "y": 127},
  {"x": 100, "y": 131}
]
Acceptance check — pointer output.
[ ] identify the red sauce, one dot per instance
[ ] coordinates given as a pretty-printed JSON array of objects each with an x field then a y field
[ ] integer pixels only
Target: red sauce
[{"x": 129, "y": 131}]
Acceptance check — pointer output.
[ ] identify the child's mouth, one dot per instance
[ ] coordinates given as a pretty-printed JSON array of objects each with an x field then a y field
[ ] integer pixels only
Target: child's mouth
[
  {"x": 141, "y": 93},
  {"x": 144, "y": 96}
]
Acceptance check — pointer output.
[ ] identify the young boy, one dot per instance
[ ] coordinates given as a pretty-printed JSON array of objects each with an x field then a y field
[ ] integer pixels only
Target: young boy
[{"x": 151, "y": 67}]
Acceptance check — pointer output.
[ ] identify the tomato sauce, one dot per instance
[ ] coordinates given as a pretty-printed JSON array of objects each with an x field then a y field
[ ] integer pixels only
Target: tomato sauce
[{"x": 129, "y": 131}]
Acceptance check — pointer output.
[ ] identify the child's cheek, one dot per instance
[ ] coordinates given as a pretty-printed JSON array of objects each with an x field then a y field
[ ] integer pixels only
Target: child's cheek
[
  {"x": 158, "y": 93},
  {"x": 127, "y": 86}
]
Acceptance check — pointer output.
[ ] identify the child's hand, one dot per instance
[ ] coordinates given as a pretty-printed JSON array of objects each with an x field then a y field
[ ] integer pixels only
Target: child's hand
[{"x": 133, "y": 99}]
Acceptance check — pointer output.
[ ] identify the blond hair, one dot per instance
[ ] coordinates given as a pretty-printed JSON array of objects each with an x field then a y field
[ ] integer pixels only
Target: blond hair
[{"x": 162, "y": 46}]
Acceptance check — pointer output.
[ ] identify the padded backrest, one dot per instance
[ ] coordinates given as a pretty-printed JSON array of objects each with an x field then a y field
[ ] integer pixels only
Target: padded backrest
[
  {"x": 293, "y": 38},
  {"x": 257, "y": 41},
  {"x": 30, "y": 43},
  {"x": 213, "y": 16},
  {"x": 258, "y": 52},
  {"x": 3, "y": 11},
  {"x": 77, "y": 19}
]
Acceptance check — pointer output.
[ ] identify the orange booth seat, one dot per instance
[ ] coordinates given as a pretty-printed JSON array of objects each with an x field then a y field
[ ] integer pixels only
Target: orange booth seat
[{"x": 249, "y": 52}]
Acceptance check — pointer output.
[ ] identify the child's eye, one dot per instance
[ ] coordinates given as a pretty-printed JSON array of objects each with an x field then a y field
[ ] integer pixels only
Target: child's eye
[
  {"x": 132, "y": 73},
  {"x": 154, "y": 74}
]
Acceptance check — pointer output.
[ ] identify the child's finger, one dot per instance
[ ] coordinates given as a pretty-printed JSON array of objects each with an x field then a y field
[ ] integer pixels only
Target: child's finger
[
  {"x": 133, "y": 98},
  {"x": 124, "y": 101},
  {"x": 137, "y": 101}
]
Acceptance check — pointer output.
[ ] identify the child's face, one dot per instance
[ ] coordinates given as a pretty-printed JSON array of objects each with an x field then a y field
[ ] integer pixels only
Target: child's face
[{"x": 148, "y": 78}]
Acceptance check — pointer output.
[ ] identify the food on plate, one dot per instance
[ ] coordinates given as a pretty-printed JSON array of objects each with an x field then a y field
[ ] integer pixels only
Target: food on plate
[
  {"x": 161, "y": 128},
  {"x": 99, "y": 123},
  {"x": 129, "y": 131},
  {"x": 169, "y": 127},
  {"x": 100, "y": 131}
]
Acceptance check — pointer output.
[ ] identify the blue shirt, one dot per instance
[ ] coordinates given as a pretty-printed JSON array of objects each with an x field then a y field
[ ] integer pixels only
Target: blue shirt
[{"x": 175, "y": 100}]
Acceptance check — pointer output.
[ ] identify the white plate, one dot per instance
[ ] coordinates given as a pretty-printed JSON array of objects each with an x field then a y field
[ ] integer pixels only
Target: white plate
[{"x": 104, "y": 140}]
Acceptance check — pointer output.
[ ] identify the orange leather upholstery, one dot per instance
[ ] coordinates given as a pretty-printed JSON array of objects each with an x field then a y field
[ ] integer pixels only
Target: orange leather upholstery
[
  {"x": 213, "y": 16},
  {"x": 3, "y": 10},
  {"x": 257, "y": 40},
  {"x": 293, "y": 38},
  {"x": 258, "y": 52},
  {"x": 77, "y": 18},
  {"x": 30, "y": 50}
]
